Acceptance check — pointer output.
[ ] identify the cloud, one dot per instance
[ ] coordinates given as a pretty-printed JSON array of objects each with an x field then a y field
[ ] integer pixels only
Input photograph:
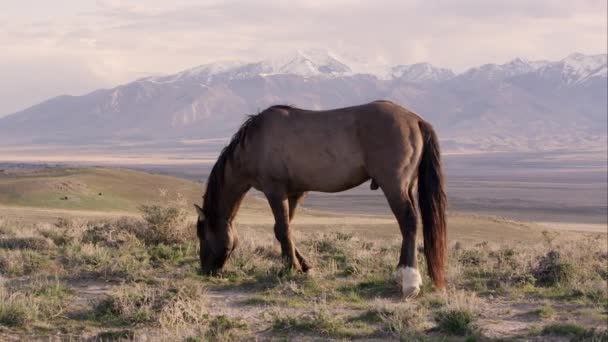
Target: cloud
[{"x": 110, "y": 41}]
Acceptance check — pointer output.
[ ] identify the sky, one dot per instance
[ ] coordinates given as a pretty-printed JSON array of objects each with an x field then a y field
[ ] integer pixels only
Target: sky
[{"x": 72, "y": 47}]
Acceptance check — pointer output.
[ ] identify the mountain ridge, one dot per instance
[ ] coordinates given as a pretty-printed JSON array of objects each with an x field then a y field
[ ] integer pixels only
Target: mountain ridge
[{"x": 518, "y": 105}]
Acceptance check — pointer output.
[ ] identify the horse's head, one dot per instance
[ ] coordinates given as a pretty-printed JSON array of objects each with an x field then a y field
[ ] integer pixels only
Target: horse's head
[{"x": 216, "y": 243}]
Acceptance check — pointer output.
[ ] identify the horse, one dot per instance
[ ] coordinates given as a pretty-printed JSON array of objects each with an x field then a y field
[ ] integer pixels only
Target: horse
[{"x": 285, "y": 152}]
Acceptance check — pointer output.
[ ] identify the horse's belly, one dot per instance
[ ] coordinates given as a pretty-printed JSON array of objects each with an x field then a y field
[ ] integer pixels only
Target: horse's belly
[{"x": 333, "y": 178}]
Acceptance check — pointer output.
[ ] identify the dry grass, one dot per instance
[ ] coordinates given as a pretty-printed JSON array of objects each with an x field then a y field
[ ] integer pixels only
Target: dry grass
[{"x": 149, "y": 286}]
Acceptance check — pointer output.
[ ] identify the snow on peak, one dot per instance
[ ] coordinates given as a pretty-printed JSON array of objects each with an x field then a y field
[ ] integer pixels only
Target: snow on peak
[
  {"x": 576, "y": 67},
  {"x": 204, "y": 73},
  {"x": 573, "y": 69},
  {"x": 420, "y": 72},
  {"x": 305, "y": 63},
  {"x": 515, "y": 67}
]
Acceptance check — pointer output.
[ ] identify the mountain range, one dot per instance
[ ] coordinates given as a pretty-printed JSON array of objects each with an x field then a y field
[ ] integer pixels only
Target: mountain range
[{"x": 518, "y": 106}]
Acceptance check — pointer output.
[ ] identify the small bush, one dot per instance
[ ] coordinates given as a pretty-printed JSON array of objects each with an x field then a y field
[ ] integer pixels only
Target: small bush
[
  {"x": 59, "y": 237},
  {"x": 403, "y": 322},
  {"x": 185, "y": 304},
  {"x": 471, "y": 257},
  {"x": 543, "y": 311},
  {"x": 15, "y": 309},
  {"x": 454, "y": 322},
  {"x": 222, "y": 328},
  {"x": 106, "y": 234},
  {"x": 320, "y": 322},
  {"x": 173, "y": 254},
  {"x": 552, "y": 270},
  {"x": 22, "y": 262},
  {"x": 128, "y": 305},
  {"x": 165, "y": 224},
  {"x": 32, "y": 243},
  {"x": 170, "y": 306},
  {"x": 12, "y": 315}
]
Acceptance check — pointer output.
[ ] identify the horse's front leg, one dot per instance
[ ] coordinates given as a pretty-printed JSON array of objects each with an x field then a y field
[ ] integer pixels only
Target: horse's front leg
[{"x": 280, "y": 210}]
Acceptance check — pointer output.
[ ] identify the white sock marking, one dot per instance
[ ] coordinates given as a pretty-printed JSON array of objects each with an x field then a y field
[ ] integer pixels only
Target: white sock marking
[{"x": 410, "y": 280}]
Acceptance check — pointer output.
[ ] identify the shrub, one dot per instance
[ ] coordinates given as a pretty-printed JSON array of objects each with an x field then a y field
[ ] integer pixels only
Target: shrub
[
  {"x": 107, "y": 234},
  {"x": 222, "y": 328},
  {"x": 33, "y": 243},
  {"x": 59, "y": 237},
  {"x": 128, "y": 305},
  {"x": 185, "y": 304},
  {"x": 471, "y": 257},
  {"x": 543, "y": 311},
  {"x": 552, "y": 270},
  {"x": 165, "y": 224},
  {"x": 15, "y": 309},
  {"x": 22, "y": 262},
  {"x": 402, "y": 321},
  {"x": 454, "y": 322},
  {"x": 171, "y": 306},
  {"x": 320, "y": 322}
]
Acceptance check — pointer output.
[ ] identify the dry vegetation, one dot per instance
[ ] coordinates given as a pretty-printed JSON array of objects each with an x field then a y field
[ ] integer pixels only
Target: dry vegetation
[{"x": 138, "y": 279}]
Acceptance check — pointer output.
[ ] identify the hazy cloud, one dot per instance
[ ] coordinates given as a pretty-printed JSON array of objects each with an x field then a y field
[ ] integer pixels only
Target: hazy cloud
[{"x": 76, "y": 46}]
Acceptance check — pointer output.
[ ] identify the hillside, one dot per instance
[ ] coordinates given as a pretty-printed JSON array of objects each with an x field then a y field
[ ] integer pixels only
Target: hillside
[
  {"x": 90, "y": 188},
  {"x": 95, "y": 189},
  {"x": 518, "y": 106}
]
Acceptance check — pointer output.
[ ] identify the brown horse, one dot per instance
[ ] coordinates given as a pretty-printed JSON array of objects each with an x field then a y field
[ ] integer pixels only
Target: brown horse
[{"x": 285, "y": 152}]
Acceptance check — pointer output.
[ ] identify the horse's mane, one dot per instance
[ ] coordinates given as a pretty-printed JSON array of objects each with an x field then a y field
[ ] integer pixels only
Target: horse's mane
[{"x": 216, "y": 177}]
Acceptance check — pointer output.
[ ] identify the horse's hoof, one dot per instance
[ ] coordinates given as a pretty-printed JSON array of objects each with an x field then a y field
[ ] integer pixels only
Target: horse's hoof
[
  {"x": 410, "y": 292},
  {"x": 410, "y": 280}
]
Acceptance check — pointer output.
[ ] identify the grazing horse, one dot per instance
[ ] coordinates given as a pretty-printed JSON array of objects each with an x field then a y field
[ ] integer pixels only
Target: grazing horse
[{"x": 285, "y": 151}]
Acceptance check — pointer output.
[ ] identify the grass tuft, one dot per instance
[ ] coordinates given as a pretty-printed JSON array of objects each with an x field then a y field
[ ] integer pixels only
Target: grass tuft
[
  {"x": 31, "y": 243},
  {"x": 543, "y": 311},
  {"x": 454, "y": 322}
]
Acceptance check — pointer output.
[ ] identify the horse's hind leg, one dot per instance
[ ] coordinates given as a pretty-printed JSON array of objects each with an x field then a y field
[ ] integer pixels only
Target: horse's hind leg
[
  {"x": 294, "y": 201},
  {"x": 402, "y": 202},
  {"x": 280, "y": 209}
]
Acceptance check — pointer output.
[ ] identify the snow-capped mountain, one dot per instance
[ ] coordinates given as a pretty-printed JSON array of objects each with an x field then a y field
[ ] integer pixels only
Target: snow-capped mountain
[
  {"x": 576, "y": 69},
  {"x": 319, "y": 63},
  {"x": 513, "y": 106},
  {"x": 420, "y": 72},
  {"x": 497, "y": 72},
  {"x": 305, "y": 63}
]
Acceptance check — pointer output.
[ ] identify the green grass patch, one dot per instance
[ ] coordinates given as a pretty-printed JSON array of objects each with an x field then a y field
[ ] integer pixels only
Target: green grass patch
[
  {"x": 223, "y": 328},
  {"x": 375, "y": 285},
  {"x": 115, "y": 335},
  {"x": 543, "y": 311},
  {"x": 454, "y": 322},
  {"x": 319, "y": 322},
  {"x": 14, "y": 310}
]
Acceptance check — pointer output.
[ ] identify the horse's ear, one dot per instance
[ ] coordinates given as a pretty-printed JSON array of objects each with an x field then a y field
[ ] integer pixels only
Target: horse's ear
[{"x": 199, "y": 210}]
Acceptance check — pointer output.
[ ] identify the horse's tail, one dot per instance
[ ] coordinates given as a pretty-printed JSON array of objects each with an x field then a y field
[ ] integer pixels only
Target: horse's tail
[{"x": 432, "y": 203}]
